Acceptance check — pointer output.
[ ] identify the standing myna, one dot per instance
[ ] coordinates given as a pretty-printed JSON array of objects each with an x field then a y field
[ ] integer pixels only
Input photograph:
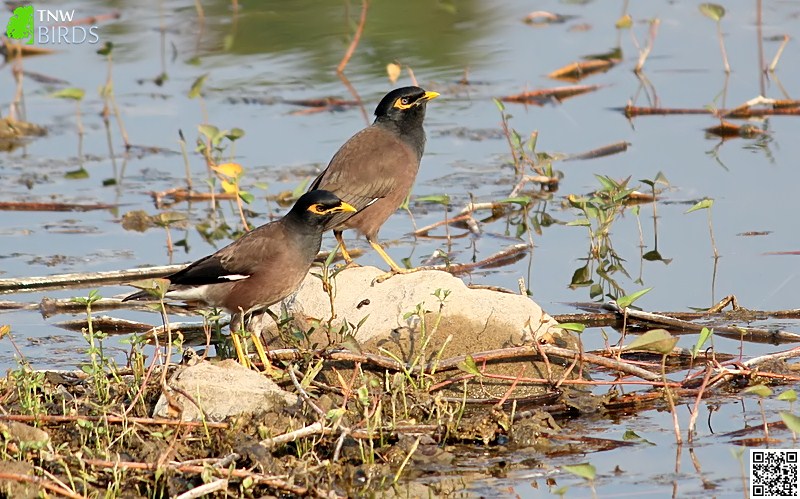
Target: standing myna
[
  {"x": 375, "y": 170},
  {"x": 262, "y": 267}
]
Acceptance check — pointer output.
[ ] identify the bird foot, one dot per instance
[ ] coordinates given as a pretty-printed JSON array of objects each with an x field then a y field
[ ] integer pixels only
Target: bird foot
[
  {"x": 394, "y": 272},
  {"x": 348, "y": 265}
]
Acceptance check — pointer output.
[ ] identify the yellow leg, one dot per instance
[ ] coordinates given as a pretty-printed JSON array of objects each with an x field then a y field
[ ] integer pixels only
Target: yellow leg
[
  {"x": 347, "y": 258},
  {"x": 395, "y": 268},
  {"x": 237, "y": 345},
  {"x": 262, "y": 354}
]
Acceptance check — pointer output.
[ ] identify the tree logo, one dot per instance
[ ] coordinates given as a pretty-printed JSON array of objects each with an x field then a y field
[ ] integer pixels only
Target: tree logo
[{"x": 20, "y": 26}]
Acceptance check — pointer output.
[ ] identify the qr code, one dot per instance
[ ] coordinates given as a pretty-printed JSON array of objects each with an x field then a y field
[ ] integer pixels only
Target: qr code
[{"x": 773, "y": 473}]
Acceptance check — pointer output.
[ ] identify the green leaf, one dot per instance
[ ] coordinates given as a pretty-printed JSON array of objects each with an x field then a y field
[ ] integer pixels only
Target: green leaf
[
  {"x": 661, "y": 179},
  {"x": 246, "y": 197},
  {"x": 208, "y": 131},
  {"x": 581, "y": 222},
  {"x": 705, "y": 334},
  {"x": 573, "y": 326},
  {"x": 792, "y": 422},
  {"x": 106, "y": 49},
  {"x": 434, "y": 198},
  {"x": 69, "y": 93},
  {"x": 701, "y": 205},
  {"x": 300, "y": 188},
  {"x": 77, "y": 174},
  {"x": 334, "y": 415},
  {"x": 788, "y": 395},
  {"x": 585, "y": 470},
  {"x": 216, "y": 139},
  {"x": 235, "y": 134},
  {"x": 712, "y": 11},
  {"x": 469, "y": 366},
  {"x": 656, "y": 340},
  {"x": 157, "y": 287},
  {"x": 520, "y": 200},
  {"x": 197, "y": 86},
  {"x": 624, "y": 22},
  {"x": 500, "y": 106},
  {"x": 760, "y": 390},
  {"x": 627, "y": 300},
  {"x": 581, "y": 277},
  {"x": 608, "y": 183}
]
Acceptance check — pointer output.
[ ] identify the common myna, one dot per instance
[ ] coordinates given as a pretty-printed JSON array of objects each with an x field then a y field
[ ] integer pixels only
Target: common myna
[
  {"x": 262, "y": 267},
  {"x": 376, "y": 168}
]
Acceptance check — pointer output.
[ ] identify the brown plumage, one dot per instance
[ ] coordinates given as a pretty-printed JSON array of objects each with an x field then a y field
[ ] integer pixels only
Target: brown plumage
[
  {"x": 375, "y": 170},
  {"x": 262, "y": 267}
]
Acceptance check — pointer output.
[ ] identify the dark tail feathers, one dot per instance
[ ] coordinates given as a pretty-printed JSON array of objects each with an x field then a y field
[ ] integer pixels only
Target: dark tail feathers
[{"x": 139, "y": 295}]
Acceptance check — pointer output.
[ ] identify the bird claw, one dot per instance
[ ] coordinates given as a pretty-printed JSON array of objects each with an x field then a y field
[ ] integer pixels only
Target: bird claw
[{"x": 392, "y": 273}]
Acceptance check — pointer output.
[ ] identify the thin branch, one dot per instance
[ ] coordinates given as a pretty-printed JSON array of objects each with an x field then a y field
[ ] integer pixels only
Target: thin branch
[{"x": 356, "y": 37}]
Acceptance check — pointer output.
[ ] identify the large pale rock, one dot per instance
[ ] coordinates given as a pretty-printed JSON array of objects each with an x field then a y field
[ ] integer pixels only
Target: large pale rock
[
  {"x": 221, "y": 390},
  {"x": 477, "y": 319}
]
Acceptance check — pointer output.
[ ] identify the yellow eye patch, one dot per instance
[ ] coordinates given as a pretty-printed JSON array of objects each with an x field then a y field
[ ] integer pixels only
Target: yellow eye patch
[
  {"x": 403, "y": 103},
  {"x": 318, "y": 209}
]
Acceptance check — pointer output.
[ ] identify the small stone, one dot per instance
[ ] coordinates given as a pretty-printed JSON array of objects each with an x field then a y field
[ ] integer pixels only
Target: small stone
[
  {"x": 22, "y": 433},
  {"x": 221, "y": 390}
]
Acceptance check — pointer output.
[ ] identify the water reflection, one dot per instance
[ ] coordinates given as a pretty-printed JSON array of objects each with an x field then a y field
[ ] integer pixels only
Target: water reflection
[{"x": 312, "y": 36}]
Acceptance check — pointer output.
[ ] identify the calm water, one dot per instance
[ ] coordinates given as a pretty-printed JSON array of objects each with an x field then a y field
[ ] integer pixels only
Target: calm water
[{"x": 275, "y": 52}]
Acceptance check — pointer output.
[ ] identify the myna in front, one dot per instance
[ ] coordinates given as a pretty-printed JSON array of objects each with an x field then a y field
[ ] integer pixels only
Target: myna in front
[
  {"x": 375, "y": 170},
  {"x": 263, "y": 266}
]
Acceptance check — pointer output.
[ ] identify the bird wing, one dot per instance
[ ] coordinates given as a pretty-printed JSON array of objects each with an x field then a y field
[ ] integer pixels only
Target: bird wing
[
  {"x": 234, "y": 262},
  {"x": 363, "y": 170}
]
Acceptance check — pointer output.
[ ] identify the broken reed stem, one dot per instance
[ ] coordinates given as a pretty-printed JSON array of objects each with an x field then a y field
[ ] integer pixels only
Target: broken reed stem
[
  {"x": 737, "y": 331},
  {"x": 671, "y": 402},
  {"x": 742, "y": 113},
  {"x": 722, "y": 48},
  {"x": 645, "y": 53},
  {"x": 696, "y": 408},
  {"x": 205, "y": 489},
  {"x": 356, "y": 37},
  {"x": 774, "y": 64}
]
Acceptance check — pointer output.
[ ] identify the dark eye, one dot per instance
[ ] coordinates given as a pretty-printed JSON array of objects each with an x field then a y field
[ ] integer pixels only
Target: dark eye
[{"x": 405, "y": 101}]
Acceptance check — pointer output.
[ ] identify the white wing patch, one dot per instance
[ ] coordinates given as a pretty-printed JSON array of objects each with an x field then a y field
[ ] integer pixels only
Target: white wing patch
[
  {"x": 371, "y": 202},
  {"x": 233, "y": 277}
]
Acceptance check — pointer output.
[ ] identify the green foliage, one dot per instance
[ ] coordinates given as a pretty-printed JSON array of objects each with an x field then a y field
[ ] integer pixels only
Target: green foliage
[
  {"x": 705, "y": 335},
  {"x": 792, "y": 422},
  {"x": 712, "y": 11},
  {"x": 585, "y": 470},
  {"x": 701, "y": 205},
  {"x": 762, "y": 391},
  {"x": 70, "y": 93},
  {"x": 655, "y": 340},
  {"x": 628, "y": 300}
]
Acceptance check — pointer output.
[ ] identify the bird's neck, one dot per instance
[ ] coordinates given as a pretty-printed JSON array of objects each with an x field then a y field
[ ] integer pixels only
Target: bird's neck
[
  {"x": 296, "y": 225},
  {"x": 410, "y": 132}
]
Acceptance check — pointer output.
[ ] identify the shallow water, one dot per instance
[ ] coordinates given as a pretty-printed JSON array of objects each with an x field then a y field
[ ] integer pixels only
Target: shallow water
[{"x": 273, "y": 53}]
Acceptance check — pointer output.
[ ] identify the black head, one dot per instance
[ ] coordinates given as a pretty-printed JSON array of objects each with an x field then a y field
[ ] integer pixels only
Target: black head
[
  {"x": 315, "y": 208},
  {"x": 404, "y": 104}
]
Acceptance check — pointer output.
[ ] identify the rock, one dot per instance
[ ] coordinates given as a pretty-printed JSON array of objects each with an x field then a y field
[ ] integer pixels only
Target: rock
[
  {"x": 477, "y": 319},
  {"x": 222, "y": 390},
  {"x": 14, "y": 431}
]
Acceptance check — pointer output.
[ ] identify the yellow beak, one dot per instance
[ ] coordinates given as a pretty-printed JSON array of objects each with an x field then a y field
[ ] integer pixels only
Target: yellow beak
[
  {"x": 345, "y": 207},
  {"x": 430, "y": 96}
]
